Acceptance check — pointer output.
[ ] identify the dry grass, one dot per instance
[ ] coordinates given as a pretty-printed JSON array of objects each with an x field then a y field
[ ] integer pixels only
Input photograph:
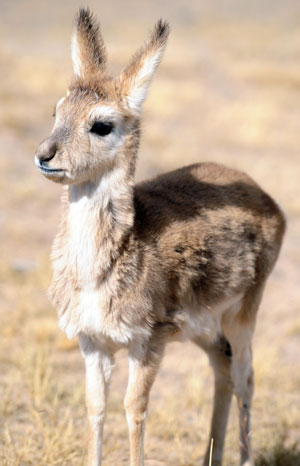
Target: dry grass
[
  {"x": 279, "y": 453},
  {"x": 229, "y": 89}
]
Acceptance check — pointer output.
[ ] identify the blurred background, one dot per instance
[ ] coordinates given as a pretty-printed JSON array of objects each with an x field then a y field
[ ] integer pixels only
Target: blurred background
[{"x": 228, "y": 90}]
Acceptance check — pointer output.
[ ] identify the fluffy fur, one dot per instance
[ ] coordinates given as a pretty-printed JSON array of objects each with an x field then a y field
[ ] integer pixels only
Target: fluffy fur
[{"x": 183, "y": 256}]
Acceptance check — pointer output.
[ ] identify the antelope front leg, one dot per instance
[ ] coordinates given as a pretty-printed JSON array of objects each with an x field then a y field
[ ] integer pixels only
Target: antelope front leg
[
  {"x": 99, "y": 366},
  {"x": 142, "y": 372}
]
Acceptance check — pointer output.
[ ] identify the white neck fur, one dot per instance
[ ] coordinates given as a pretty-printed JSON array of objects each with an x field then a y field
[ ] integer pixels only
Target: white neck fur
[{"x": 100, "y": 212}]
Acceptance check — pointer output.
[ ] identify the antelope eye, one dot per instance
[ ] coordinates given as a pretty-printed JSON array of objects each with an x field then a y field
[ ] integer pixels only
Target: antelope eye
[{"x": 101, "y": 129}]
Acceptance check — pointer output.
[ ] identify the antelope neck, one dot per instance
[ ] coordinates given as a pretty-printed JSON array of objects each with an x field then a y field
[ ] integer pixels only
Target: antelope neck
[{"x": 100, "y": 216}]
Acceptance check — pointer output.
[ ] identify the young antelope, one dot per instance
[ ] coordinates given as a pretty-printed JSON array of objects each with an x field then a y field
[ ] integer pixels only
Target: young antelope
[{"x": 183, "y": 256}]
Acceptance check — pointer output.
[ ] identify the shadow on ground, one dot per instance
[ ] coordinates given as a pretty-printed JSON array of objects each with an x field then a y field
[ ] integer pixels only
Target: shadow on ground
[{"x": 280, "y": 454}]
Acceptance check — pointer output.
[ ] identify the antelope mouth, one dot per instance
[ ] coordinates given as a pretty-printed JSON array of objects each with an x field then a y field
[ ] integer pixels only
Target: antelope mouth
[
  {"x": 50, "y": 171},
  {"x": 53, "y": 172}
]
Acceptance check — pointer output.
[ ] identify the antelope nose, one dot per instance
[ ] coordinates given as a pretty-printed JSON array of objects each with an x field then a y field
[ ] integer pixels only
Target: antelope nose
[{"x": 46, "y": 151}]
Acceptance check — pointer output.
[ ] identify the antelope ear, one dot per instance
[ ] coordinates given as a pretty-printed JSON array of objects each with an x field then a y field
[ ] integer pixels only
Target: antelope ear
[
  {"x": 88, "y": 50},
  {"x": 135, "y": 79}
]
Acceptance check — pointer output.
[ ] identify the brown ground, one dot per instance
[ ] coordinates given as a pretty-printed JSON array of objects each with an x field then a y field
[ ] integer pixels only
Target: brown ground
[{"x": 228, "y": 91}]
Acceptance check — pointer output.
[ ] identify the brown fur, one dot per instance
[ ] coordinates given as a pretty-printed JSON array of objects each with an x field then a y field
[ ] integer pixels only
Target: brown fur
[
  {"x": 90, "y": 43},
  {"x": 139, "y": 265}
]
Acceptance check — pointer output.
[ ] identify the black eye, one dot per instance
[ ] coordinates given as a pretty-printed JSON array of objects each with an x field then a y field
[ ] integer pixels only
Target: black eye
[{"x": 100, "y": 128}]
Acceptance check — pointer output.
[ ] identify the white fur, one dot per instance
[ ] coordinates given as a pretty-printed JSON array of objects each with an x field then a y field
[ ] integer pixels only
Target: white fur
[
  {"x": 91, "y": 316},
  {"x": 76, "y": 57},
  {"x": 142, "y": 81},
  {"x": 86, "y": 201},
  {"x": 60, "y": 102},
  {"x": 81, "y": 240},
  {"x": 36, "y": 161},
  {"x": 99, "y": 365},
  {"x": 59, "y": 121},
  {"x": 205, "y": 323},
  {"x": 104, "y": 112}
]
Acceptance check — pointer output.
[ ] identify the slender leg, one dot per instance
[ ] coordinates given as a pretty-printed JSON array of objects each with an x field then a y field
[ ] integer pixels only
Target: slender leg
[
  {"x": 222, "y": 400},
  {"x": 143, "y": 367},
  {"x": 242, "y": 374},
  {"x": 240, "y": 335},
  {"x": 99, "y": 366},
  {"x": 220, "y": 360}
]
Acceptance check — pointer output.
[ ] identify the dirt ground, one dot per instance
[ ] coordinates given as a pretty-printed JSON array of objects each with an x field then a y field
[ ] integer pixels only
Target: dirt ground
[{"x": 228, "y": 90}]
